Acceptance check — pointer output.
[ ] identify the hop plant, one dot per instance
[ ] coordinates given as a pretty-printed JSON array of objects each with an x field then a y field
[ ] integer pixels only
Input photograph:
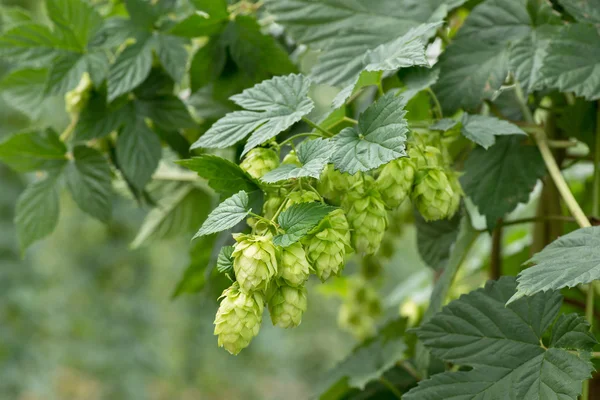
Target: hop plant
[
  {"x": 259, "y": 161},
  {"x": 334, "y": 184},
  {"x": 367, "y": 217},
  {"x": 327, "y": 245},
  {"x": 254, "y": 262},
  {"x": 287, "y": 305},
  {"x": 395, "y": 181},
  {"x": 434, "y": 195},
  {"x": 238, "y": 318},
  {"x": 294, "y": 267},
  {"x": 76, "y": 99}
]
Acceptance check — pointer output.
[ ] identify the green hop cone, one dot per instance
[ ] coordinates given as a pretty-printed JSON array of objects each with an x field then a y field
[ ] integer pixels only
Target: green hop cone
[
  {"x": 327, "y": 245},
  {"x": 434, "y": 195},
  {"x": 334, "y": 184},
  {"x": 272, "y": 204},
  {"x": 292, "y": 159},
  {"x": 238, "y": 318},
  {"x": 395, "y": 181},
  {"x": 458, "y": 192},
  {"x": 304, "y": 196},
  {"x": 293, "y": 266},
  {"x": 425, "y": 157},
  {"x": 287, "y": 305},
  {"x": 259, "y": 161},
  {"x": 77, "y": 99},
  {"x": 368, "y": 219},
  {"x": 254, "y": 262}
]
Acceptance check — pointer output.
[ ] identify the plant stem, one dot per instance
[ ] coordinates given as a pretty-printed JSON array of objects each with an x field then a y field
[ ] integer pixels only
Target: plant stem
[
  {"x": 178, "y": 176},
  {"x": 391, "y": 387},
  {"x": 351, "y": 120},
  {"x": 298, "y": 136},
  {"x": 279, "y": 210},
  {"x": 438, "y": 107},
  {"x": 523, "y": 104},
  {"x": 496, "y": 255},
  {"x": 70, "y": 129},
  {"x": 317, "y": 127}
]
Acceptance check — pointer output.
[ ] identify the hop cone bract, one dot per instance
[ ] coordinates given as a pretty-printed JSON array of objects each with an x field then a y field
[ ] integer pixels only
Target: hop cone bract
[
  {"x": 254, "y": 262},
  {"x": 395, "y": 181},
  {"x": 334, "y": 184},
  {"x": 304, "y": 196},
  {"x": 287, "y": 305},
  {"x": 238, "y": 318},
  {"x": 293, "y": 266},
  {"x": 259, "y": 161},
  {"x": 434, "y": 196}
]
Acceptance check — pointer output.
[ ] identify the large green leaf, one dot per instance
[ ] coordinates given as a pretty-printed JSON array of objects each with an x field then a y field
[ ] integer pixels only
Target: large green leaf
[
  {"x": 572, "y": 61},
  {"x": 33, "y": 151},
  {"x": 227, "y": 215},
  {"x": 483, "y": 129},
  {"x": 130, "y": 69},
  {"x": 313, "y": 155},
  {"x": 435, "y": 239},
  {"x": 275, "y": 106},
  {"x": 379, "y": 138},
  {"x": 168, "y": 112},
  {"x": 569, "y": 261},
  {"x": 24, "y": 90},
  {"x": 76, "y": 20},
  {"x": 138, "y": 152},
  {"x": 207, "y": 64},
  {"x": 583, "y": 10},
  {"x": 214, "y": 8},
  {"x": 99, "y": 119},
  {"x": 37, "y": 211},
  {"x": 500, "y": 178},
  {"x": 65, "y": 73},
  {"x": 12, "y": 16},
  {"x": 179, "y": 212},
  {"x": 173, "y": 55},
  {"x": 32, "y": 43},
  {"x": 503, "y": 345},
  {"x": 225, "y": 177},
  {"x": 298, "y": 220},
  {"x": 88, "y": 178}
]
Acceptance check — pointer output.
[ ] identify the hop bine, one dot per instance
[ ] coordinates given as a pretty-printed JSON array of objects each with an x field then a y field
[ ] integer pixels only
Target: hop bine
[{"x": 254, "y": 262}]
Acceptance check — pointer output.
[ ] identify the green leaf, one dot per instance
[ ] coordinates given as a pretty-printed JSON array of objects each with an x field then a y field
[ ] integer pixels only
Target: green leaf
[
  {"x": 207, "y": 64},
  {"x": 214, "y": 8},
  {"x": 435, "y": 239},
  {"x": 379, "y": 138},
  {"x": 138, "y": 152},
  {"x": 498, "y": 179},
  {"x": 173, "y": 55},
  {"x": 572, "y": 61},
  {"x": 364, "y": 79},
  {"x": 417, "y": 79},
  {"x": 198, "y": 25},
  {"x": 444, "y": 125},
  {"x": 130, "y": 69},
  {"x": 225, "y": 261},
  {"x": 583, "y": 10},
  {"x": 194, "y": 277},
  {"x": 33, "y": 151},
  {"x": 275, "y": 106},
  {"x": 314, "y": 155},
  {"x": 12, "y": 16},
  {"x": 180, "y": 212},
  {"x": 31, "y": 43},
  {"x": 483, "y": 129},
  {"x": 142, "y": 13},
  {"x": 88, "y": 178},
  {"x": 568, "y": 261},
  {"x": 24, "y": 90},
  {"x": 368, "y": 362},
  {"x": 298, "y": 220},
  {"x": 37, "y": 211},
  {"x": 98, "y": 65},
  {"x": 168, "y": 112},
  {"x": 572, "y": 331},
  {"x": 98, "y": 119},
  {"x": 76, "y": 19},
  {"x": 225, "y": 177},
  {"x": 503, "y": 345},
  {"x": 227, "y": 215},
  {"x": 258, "y": 56},
  {"x": 65, "y": 73}
]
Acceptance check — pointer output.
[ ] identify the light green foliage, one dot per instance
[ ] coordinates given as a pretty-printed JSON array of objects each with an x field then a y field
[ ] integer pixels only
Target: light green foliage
[{"x": 360, "y": 309}]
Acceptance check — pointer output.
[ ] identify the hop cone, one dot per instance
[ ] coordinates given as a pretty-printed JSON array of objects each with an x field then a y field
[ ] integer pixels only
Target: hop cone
[
  {"x": 76, "y": 99},
  {"x": 306, "y": 196},
  {"x": 238, "y": 318},
  {"x": 287, "y": 306},
  {"x": 327, "y": 245},
  {"x": 254, "y": 262},
  {"x": 259, "y": 161},
  {"x": 458, "y": 192},
  {"x": 425, "y": 157},
  {"x": 395, "y": 181},
  {"x": 368, "y": 219},
  {"x": 434, "y": 196},
  {"x": 291, "y": 158},
  {"x": 334, "y": 184},
  {"x": 293, "y": 267},
  {"x": 272, "y": 204}
]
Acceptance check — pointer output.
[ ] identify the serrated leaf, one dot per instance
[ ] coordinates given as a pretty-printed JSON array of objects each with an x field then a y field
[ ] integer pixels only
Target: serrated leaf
[
  {"x": 572, "y": 61},
  {"x": 379, "y": 138},
  {"x": 37, "y": 211},
  {"x": 444, "y": 125},
  {"x": 298, "y": 220},
  {"x": 179, "y": 212},
  {"x": 76, "y": 19},
  {"x": 173, "y": 55},
  {"x": 227, "y": 215},
  {"x": 33, "y": 151},
  {"x": 483, "y": 129},
  {"x": 368, "y": 362},
  {"x": 24, "y": 90},
  {"x": 275, "y": 106},
  {"x": 88, "y": 178},
  {"x": 498, "y": 179},
  {"x": 225, "y": 261},
  {"x": 416, "y": 80},
  {"x": 31, "y": 43},
  {"x": 225, "y": 177},
  {"x": 568, "y": 261},
  {"x": 98, "y": 119},
  {"x": 130, "y": 69},
  {"x": 138, "y": 152},
  {"x": 314, "y": 155},
  {"x": 583, "y": 10},
  {"x": 207, "y": 64},
  {"x": 364, "y": 79},
  {"x": 572, "y": 331},
  {"x": 435, "y": 239},
  {"x": 168, "y": 112},
  {"x": 503, "y": 345},
  {"x": 142, "y": 13},
  {"x": 65, "y": 73}
]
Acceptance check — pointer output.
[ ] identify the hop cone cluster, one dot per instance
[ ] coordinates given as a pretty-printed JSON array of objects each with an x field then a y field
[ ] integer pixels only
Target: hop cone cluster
[
  {"x": 434, "y": 195},
  {"x": 395, "y": 181},
  {"x": 328, "y": 244},
  {"x": 259, "y": 161},
  {"x": 293, "y": 266},
  {"x": 238, "y": 318},
  {"x": 360, "y": 310},
  {"x": 287, "y": 305},
  {"x": 254, "y": 262}
]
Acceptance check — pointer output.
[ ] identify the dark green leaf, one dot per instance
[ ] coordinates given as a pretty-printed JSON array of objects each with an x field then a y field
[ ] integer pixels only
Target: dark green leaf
[
  {"x": 138, "y": 152},
  {"x": 483, "y": 129},
  {"x": 298, "y": 220},
  {"x": 225, "y": 261},
  {"x": 32, "y": 43},
  {"x": 197, "y": 26},
  {"x": 416, "y": 80},
  {"x": 583, "y": 10},
  {"x": 65, "y": 73},
  {"x": 435, "y": 239},
  {"x": 173, "y": 55},
  {"x": 168, "y": 112},
  {"x": 76, "y": 19},
  {"x": 214, "y": 8},
  {"x": 194, "y": 277},
  {"x": 99, "y": 119},
  {"x": 572, "y": 331},
  {"x": 130, "y": 69},
  {"x": 207, "y": 64},
  {"x": 33, "y": 151},
  {"x": 142, "y": 13},
  {"x": 227, "y": 215},
  {"x": 24, "y": 90}
]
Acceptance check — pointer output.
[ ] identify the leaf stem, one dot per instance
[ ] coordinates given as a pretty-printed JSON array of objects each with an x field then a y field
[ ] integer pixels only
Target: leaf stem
[
  {"x": 438, "y": 107},
  {"x": 279, "y": 210},
  {"x": 523, "y": 103},
  {"x": 390, "y": 386},
  {"x": 351, "y": 120},
  {"x": 298, "y": 136},
  {"x": 70, "y": 129},
  {"x": 317, "y": 127}
]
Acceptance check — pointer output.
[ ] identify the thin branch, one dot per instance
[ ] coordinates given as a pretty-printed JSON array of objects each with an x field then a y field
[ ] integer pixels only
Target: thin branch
[
  {"x": 496, "y": 254},
  {"x": 290, "y": 139},
  {"x": 390, "y": 386},
  {"x": 317, "y": 127},
  {"x": 438, "y": 106}
]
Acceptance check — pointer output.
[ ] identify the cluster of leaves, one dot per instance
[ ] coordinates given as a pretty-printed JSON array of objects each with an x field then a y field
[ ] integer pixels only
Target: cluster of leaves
[{"x": 203, "y": 76}]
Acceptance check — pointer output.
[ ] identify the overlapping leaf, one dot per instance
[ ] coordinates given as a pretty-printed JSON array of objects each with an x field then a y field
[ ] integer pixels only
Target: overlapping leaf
[
  {"x": 483, "y": 129},
  {"x": 435, "y": 239},
  {"x": 33, "y": 151},
  {"x": 583, "y": 10},
  {"x": 298, "y": 220},
  {"x": 227, "y": 215},
  {"x": 138, "y": 152}
]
